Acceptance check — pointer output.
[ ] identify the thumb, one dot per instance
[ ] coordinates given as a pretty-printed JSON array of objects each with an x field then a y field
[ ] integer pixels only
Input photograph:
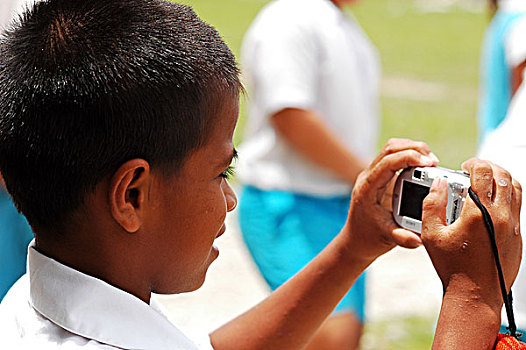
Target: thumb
[{"x": 434, "y": 208}]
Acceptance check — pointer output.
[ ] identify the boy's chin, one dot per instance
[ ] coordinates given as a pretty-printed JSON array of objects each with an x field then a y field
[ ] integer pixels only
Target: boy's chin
[
  {"x": 200, "y": 280},
  {"x": 194, "y": 282}
]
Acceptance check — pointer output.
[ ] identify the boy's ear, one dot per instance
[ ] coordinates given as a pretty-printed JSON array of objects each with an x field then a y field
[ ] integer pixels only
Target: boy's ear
[{"x": 128, "y": 192}]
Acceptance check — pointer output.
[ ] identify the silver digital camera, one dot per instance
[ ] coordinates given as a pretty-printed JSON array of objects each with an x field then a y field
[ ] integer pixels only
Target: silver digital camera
[{"x": 413, "y": 185}]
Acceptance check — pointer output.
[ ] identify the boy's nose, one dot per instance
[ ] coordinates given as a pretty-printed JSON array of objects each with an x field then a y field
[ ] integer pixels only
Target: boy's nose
[{"x": 230, "y": 196}]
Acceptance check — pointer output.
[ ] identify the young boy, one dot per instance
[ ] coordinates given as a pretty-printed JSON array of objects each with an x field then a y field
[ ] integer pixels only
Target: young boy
[{"x": 115, "y": 143}]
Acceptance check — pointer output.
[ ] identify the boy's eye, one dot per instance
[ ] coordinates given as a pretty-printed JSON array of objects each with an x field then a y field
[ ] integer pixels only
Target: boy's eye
[{"x": 228, "y": 173}]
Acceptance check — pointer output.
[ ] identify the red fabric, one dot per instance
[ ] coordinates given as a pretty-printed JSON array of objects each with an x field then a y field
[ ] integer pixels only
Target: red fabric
[{"x": 507, "y": 342}]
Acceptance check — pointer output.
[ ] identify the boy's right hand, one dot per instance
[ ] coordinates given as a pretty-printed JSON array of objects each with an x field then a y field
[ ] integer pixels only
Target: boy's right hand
[
  {"x": 461, "y": 252},
  {"x": 463, "y": 258},
  {"x": 371, "y": 227}
]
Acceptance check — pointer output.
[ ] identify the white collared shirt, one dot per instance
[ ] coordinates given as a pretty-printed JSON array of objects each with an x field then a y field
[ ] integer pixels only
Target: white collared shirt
[
  {"x": 56, "y": 307},
  {"x": 307, "y": 54}
]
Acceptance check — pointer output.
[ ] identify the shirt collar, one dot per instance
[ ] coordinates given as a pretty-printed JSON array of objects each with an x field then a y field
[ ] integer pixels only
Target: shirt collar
[{"x": 94, "y": 309}]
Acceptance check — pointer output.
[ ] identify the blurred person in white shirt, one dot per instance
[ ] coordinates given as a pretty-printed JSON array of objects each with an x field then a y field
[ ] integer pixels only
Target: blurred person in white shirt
[{"x": 312, "y": 77}]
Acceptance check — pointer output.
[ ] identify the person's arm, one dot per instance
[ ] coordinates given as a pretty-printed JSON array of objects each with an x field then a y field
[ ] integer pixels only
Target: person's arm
[
  {"x": 462, "y": 256},
  {"x": 283, "y": 66},
  {"x": 308, "y": 135},
  {"x": 517, "y": 74},
  {"x": 289, "y": 317}
]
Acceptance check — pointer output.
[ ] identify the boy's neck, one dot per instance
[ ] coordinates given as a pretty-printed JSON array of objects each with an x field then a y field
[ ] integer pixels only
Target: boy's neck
[{"x": 89, "y": 252}]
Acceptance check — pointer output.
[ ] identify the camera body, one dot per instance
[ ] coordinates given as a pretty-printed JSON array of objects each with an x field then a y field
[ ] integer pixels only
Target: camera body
[{"x": 413, "y": 185}]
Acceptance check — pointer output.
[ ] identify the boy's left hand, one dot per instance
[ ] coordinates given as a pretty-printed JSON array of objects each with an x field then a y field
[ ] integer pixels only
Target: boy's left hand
[{"x": 372, "y": 229}]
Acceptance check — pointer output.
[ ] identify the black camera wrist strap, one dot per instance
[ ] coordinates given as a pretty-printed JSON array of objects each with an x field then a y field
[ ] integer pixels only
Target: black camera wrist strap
[{"x": 508, "y": 299}]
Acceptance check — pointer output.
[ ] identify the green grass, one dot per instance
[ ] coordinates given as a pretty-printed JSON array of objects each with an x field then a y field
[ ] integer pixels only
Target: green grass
[
  {"x": 432, "y": 58},
  {"x": 443, "y": 48},
  {"x": 411, "y": 333},
  {"x": 230, "y": 17}
]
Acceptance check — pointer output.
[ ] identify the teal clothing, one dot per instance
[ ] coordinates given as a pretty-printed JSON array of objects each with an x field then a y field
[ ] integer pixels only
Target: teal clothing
[
  {"x": 495, "y": 93},
  {"x": 284, "y": 231},
  {"x": 15, "y": 235}
]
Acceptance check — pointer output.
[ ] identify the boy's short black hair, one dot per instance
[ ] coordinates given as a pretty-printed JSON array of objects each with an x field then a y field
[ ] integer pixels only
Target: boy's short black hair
[{"x": 87, "y": 85}]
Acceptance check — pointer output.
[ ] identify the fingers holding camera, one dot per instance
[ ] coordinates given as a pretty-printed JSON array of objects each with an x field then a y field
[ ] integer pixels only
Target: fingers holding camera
[
  {"x": 434, "y": 210},
  {"x": 370, "y": 223},
  {"x": 463, "y": 257},
  {"x": 505, "y": 213},
  {"x": 405, "y": 238},
  {"x": 517, "y": 203},
  {"x": 501, "y": 195},
  {"x": 434, "y": 234},
  {"x": 396, "y": 145},
  {"x": 379, "y": 175},
  {"x": 482, "y": 182},
  {"x": 465, "y": 246}
]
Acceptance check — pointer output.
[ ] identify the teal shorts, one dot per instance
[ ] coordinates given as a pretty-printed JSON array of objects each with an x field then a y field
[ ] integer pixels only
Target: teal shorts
[{"x": 284, "y": 231}]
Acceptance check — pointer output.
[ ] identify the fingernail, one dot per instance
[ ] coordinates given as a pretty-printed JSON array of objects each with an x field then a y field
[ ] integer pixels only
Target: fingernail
[
  {"x": 426, "y": 160},
  {"x": 435, "y": 158},
  {"x": 415, "y": 244},
  {"x": 503, "y": 182}
]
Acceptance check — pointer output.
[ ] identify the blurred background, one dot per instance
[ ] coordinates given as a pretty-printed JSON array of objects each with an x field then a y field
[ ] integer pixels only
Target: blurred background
[{"x": 430, "y": 52}]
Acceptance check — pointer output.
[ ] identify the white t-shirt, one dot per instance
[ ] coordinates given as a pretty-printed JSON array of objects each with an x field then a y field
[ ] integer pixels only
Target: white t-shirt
[
  {"x": 506, "y": 146},
  {"x": 512, "y": 5},
  {"x": 10, "y": 8},
  {"x": 307, "y": 54},
  {"x": 515, "y": 44},
  {"x": 56, "y": 307}
]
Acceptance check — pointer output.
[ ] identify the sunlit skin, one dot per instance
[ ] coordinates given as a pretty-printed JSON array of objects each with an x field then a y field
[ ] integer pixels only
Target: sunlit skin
[
  {"x": 192, "y": 209},
  {"x": 129, "y": 235},
  {"x": 144, "y": 230},
  {"x": 155, "y": 233}
]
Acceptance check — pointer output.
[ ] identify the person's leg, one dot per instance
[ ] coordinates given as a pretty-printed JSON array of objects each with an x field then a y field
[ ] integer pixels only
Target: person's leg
[{"x": 340, "y": 332}]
